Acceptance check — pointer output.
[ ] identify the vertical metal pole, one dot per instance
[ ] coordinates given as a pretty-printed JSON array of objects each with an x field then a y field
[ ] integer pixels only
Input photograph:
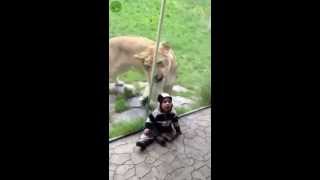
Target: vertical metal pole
[
  {"x": 209, "y": 29},
  {"x": 155, "y": 55}
]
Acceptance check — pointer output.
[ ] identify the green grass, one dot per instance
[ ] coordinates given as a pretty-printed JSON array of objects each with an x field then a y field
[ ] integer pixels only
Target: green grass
[
  {"x": 187, "y": 94},
  {"x": 185, "y": 27},
  {"x": 133, "y": 76},
  {"x": 204, "y": 94},
  {"x": 125, "y": 127},
  {"x": 121, "y": 104}
]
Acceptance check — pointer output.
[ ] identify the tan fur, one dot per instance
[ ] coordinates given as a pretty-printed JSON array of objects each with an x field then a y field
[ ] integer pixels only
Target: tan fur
[{"x": 127, "y": 52}]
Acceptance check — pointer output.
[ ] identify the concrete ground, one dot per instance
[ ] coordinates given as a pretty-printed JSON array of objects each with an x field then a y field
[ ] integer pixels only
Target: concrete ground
[{"x": 186, "y": 158}]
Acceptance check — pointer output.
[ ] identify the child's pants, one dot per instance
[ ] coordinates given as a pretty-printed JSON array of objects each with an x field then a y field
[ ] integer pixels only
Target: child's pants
[{"x": 167, "y": 135}]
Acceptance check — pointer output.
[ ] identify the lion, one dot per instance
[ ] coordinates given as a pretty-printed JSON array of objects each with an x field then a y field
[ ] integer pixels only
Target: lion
[{"x": 126, "y": 52}]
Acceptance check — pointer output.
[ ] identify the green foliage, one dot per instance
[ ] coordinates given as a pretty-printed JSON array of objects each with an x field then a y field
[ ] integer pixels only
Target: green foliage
[
  {"x": 204, "y": 93},
  {"x": 121, "y": 104}
]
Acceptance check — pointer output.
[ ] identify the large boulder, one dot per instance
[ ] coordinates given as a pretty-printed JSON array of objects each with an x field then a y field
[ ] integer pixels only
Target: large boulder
[
  {"x": 178, "y": 88},
  {"x": 182, "y": 102},
  {"x": 127, "y": 90}
]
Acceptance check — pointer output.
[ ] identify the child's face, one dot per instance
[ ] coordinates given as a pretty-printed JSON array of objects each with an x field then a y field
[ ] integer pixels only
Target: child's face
[{"x": 166, "y": 105}]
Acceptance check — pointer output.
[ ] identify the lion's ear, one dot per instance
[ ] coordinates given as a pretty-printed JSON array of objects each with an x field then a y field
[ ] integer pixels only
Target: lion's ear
[
  {"x": 165, "y": 47},
  {"x": 165, "y": 44}
]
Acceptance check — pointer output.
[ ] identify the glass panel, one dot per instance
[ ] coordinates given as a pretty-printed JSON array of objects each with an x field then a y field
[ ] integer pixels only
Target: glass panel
[{"x": 183, "y": 64}]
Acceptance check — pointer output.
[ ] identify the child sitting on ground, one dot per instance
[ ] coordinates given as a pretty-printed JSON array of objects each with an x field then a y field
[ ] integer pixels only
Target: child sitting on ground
[{"x": 161, "y": 125}]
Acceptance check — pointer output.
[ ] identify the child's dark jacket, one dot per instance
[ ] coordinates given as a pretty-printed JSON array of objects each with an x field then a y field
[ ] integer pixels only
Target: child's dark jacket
[{"x": 163, "y": 122}]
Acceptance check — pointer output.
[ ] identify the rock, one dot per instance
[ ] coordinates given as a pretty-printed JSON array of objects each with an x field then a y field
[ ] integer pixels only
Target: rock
[
  {"x": 122, "y": 89},
  {"x": 178, "y": 89},
  {"x": 134, "y": 102},
  {"x": 142, "y": 85},
  {"x": 116, "y": 88},
  {"x": 129, "y": 114},
  {"x": 179, "y": 101},
  {"x": 129, "y": 90},
  {"x": 119, "y": 82}
]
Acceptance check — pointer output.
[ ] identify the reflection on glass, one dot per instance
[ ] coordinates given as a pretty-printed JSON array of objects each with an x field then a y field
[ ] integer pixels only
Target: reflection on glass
[{"x": 182, "y": 66}]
